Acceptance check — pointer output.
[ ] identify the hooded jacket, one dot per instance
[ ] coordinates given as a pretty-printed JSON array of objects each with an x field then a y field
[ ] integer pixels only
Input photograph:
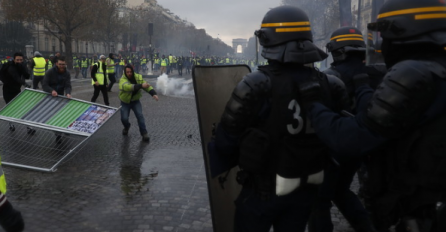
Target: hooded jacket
[{"x": 130, "y": 88}]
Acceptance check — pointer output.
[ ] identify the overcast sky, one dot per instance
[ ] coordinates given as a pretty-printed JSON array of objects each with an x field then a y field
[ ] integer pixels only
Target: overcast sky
[{"x": 225, "y": 19}]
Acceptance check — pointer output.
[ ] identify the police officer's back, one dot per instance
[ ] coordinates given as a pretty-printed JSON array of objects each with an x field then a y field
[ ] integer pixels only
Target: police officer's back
[{"x": 281, "y": 160}]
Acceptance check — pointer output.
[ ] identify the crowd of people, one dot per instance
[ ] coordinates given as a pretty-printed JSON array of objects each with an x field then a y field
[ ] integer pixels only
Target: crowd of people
[{"x": 299, "y": 135}]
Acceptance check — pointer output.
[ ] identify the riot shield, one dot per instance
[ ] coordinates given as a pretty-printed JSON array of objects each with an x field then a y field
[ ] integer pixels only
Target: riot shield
[
  {"x": 370, "y": 48},
  {"x": 213, "y": 86}
]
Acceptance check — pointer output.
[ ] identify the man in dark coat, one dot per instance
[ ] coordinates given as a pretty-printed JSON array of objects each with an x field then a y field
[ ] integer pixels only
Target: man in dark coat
[
  {"x": 57, "y": 80},
  {"x": 14, "y": 77}
]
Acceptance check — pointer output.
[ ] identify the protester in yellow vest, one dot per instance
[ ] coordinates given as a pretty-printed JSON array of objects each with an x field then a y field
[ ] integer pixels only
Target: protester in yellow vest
[
  {"x": 38, "y": 64},
  {"x": 120, "y": 67},
  {"x": 164, "y": 64},
  {"x": 111, "y": 70},
  {"x": 76, "y": 66},
  {"x": 100, "y": 80},
  {"x": 10, "y": 219},
  {"x": 84, "y": 66},
  {"x": 131, "y": 85}
]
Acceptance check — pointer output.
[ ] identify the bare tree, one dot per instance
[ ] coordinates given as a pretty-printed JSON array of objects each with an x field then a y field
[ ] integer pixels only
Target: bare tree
[
  {"x": 108, "y": 27},
  {"x": 324, "y": 17},
  {"x": 171, "y": 34},
  {"x": 63, "y": 18}
]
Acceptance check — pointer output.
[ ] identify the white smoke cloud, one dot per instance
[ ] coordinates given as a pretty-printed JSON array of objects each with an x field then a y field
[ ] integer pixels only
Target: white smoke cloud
[{"x": 174, "y": 86}]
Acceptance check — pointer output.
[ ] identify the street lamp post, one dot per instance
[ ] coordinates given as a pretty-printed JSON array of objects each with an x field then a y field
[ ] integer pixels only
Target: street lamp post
[
  {"x": 150, "y": 63},
  {"x": 86, "y": 49}
]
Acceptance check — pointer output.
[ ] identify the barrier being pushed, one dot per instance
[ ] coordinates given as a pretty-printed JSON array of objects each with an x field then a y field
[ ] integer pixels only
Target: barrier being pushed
[{"x": 40, "y": 132}]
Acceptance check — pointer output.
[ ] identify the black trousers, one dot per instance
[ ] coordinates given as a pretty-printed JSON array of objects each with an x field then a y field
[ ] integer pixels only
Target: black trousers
[
  {"x": 10, "y": 92},
  {"x": 103, "y": 89},
  {"x": 112, "y": 78},
  {"x": 36, "y": 81}
]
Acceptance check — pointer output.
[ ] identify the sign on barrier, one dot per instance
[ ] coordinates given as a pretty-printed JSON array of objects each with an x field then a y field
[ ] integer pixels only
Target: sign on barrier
[{"x": 39, "y": 131}]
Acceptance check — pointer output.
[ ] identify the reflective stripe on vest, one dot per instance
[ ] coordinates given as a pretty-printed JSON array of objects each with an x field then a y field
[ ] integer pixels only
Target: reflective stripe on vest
[
  {"x": 163, "y": 62},
  {"x": 99, "y": 74},
  {"x": 84, "y": 63},
  {"x": 110, "y": 69},
  {"x": 39, "y": 68}
]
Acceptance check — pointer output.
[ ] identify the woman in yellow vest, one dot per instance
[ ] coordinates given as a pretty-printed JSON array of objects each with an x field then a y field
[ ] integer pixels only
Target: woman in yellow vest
[
  {"x": 100, "y": 80},
  {"x": 10, "y": 219}
]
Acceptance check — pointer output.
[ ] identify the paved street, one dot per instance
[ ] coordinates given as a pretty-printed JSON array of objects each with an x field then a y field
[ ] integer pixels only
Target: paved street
[{"x": 118, "y": 183}]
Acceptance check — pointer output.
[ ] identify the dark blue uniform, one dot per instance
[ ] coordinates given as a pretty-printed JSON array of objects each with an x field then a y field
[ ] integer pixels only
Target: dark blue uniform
[{"x": 410, "y": 102}]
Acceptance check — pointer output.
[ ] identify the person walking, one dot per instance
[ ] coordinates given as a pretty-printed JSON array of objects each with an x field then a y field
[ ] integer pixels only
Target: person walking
[
  {"x": 100, "y": 80},
  {"x": 130, "y": 86},
  {"x": 84, "y": 66},
  {"x": 76, "y": 66},
  {"x": 164, "y": 64},
  {"x": 38, "y": 65},
  {"x": 111, "y": 63}
]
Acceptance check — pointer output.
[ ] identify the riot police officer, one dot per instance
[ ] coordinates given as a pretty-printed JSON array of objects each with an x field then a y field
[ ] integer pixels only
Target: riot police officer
[
  {"x": 403, "y": 125},
  {"x": 348, "y": 49},
  {"x": 264, "y": 123}
]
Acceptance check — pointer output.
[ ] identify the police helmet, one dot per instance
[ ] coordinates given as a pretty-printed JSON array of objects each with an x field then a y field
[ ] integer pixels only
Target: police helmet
[
  {"x": 349, "y": 38},
  {"x": 408, "y": 19},
  {"x": 283, "y": 24}
]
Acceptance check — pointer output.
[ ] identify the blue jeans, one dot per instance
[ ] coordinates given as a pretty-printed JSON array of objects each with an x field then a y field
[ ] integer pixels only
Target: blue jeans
[
  {"x": 118, "y": 71},
  {"x": 84, "y": 72},
  {"x": 137, "y": 109}
]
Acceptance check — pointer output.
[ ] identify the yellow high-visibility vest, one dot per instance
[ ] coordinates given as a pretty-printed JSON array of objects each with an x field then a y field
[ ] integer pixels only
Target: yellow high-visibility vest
[
  {"x": 85, "y": 64},
  {"x": 164, "y": 62},
  {"x": 2, "y": 180},
  {"x": 100, "y": 75},
  {"x": 39, "y": 68},
  {"x": 110, "y": 69}
]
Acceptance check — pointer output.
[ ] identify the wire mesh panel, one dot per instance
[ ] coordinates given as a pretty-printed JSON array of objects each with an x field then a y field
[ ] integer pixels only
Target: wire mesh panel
[{"x": 39, "y": 131}]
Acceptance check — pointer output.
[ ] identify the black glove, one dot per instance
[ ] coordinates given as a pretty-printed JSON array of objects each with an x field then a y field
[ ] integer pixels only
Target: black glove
[
  {"x": 310, "y": 92},
  {"x": 10, "y": 219},
  {"x": 360, "y": 80}
]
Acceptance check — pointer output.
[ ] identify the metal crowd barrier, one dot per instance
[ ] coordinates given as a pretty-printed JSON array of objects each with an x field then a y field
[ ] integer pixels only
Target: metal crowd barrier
[{"x": 40, "y": 132}]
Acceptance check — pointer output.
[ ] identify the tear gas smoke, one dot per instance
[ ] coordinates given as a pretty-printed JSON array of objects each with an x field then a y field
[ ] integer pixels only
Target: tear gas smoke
[{"x": 174, "y": 86}]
